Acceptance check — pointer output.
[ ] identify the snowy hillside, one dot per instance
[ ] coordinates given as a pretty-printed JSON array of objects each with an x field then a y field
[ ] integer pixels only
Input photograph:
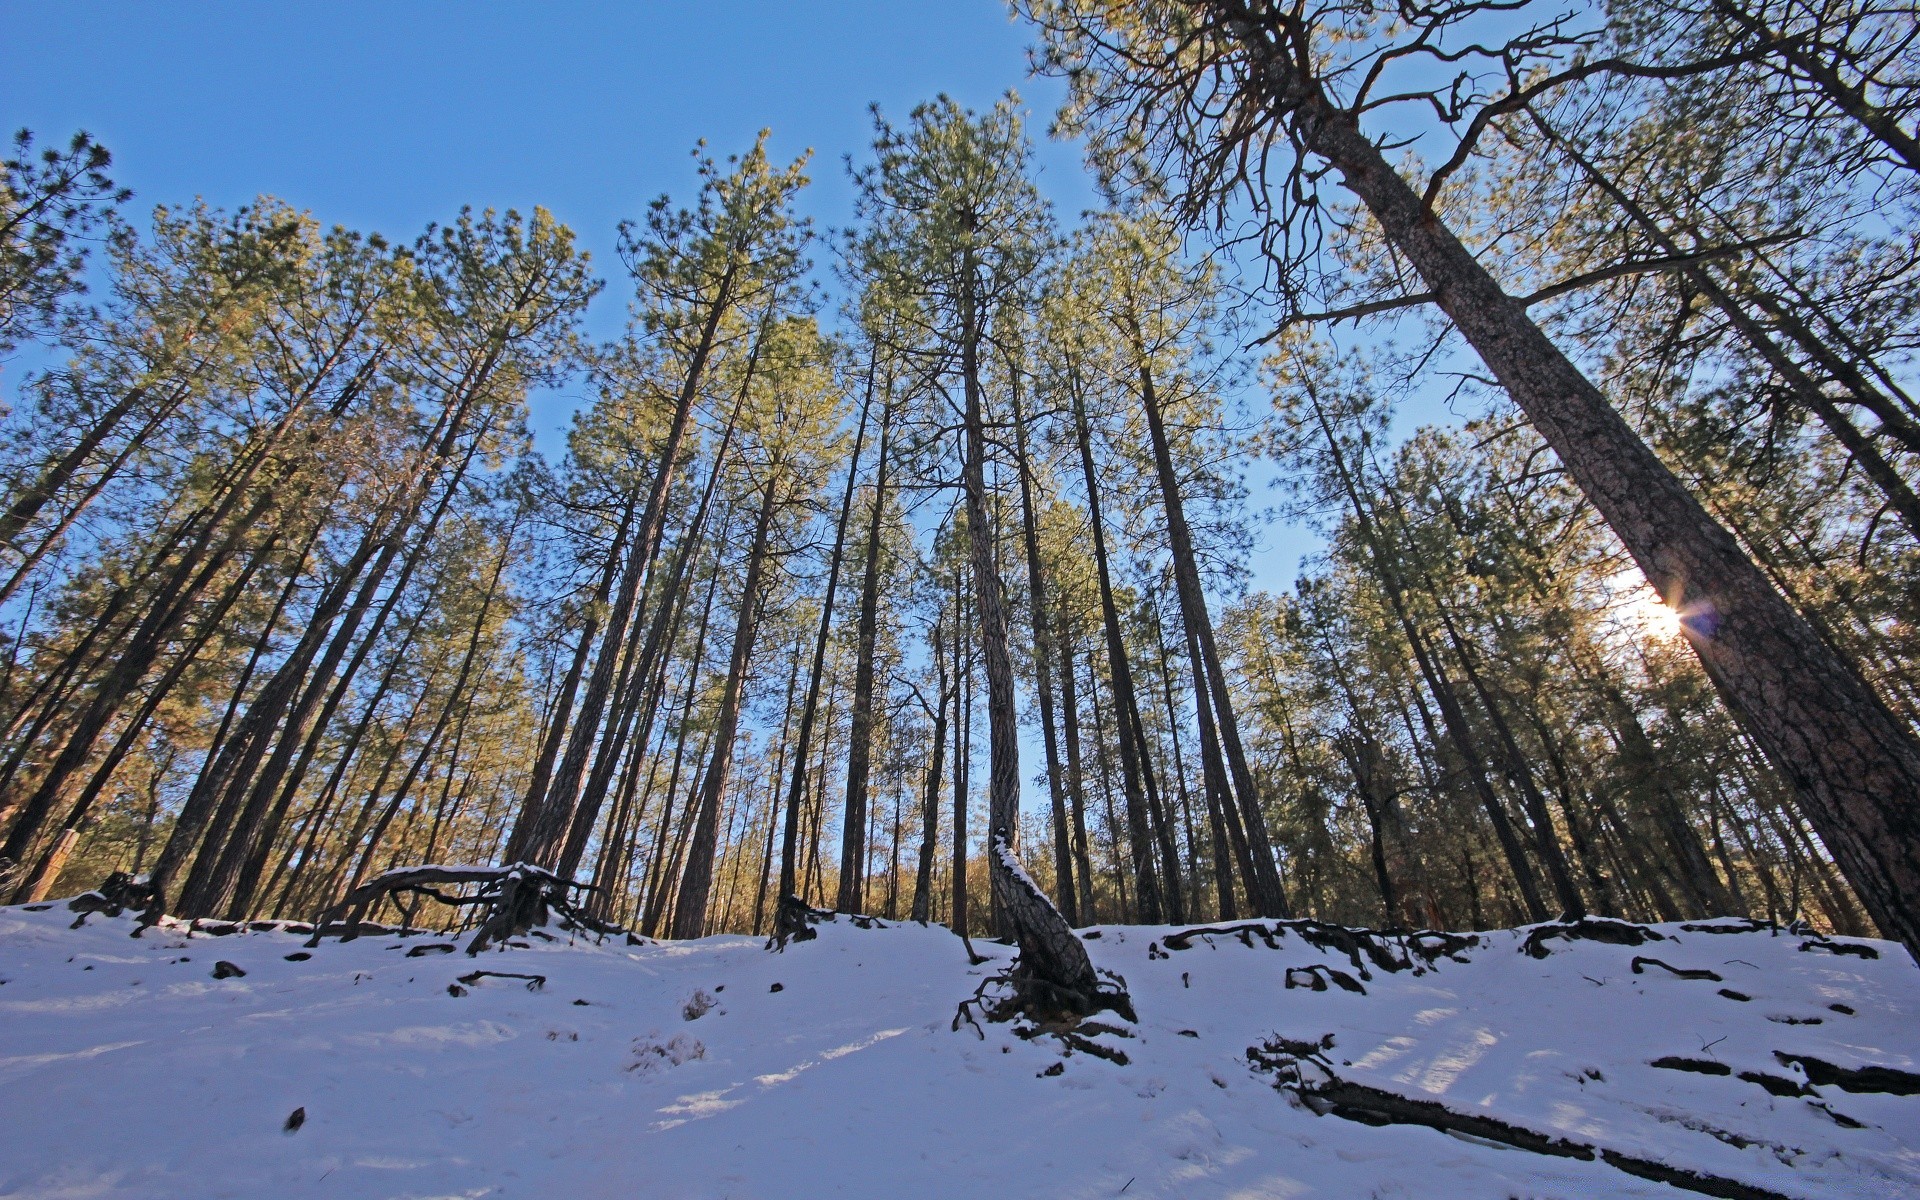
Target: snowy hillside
[{"x": 719, "y": 1069}]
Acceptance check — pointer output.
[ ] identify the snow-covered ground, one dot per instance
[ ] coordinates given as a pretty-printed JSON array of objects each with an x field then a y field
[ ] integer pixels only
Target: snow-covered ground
[{"x": 831, "y": 1069}]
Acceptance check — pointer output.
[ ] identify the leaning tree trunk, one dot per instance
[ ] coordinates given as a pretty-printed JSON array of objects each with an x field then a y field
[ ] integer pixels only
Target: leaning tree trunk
[
  {"x": 548, "y": 823},
  {"x": 1806, "y": 391},
  {"x": 1849, "y": 98},
  {"x": 1855, "y": 767}
]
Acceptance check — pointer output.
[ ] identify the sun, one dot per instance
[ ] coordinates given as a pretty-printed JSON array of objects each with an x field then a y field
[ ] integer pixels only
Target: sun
[
  {"x": 1655, "y": 617},
  {"x": 1641, "y": 609}
]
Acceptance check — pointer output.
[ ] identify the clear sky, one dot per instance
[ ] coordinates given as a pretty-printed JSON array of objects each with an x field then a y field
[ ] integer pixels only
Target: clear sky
[{"x": 384, "y": 116}]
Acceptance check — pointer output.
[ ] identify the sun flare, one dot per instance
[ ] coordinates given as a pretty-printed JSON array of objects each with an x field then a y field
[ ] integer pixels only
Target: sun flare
[{"x": 1641, "y": 608}]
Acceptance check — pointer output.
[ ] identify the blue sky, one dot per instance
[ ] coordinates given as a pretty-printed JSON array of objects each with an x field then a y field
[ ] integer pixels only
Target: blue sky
[{"x": 386, "y": 116}]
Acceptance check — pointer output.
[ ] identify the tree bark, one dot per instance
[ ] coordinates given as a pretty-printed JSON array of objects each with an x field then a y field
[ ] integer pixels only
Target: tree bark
[{"x": 1855, "y": 768}]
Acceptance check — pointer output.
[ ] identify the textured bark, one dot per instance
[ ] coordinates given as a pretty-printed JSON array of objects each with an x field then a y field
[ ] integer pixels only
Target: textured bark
[
  {"x": 990, "y": 611},
  {"x": 1855, "y": 767},
  {"x": 1053, "y": 972}
]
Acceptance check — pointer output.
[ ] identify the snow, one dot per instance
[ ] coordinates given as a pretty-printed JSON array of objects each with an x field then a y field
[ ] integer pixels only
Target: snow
[{"x": 128, "y": 1071}]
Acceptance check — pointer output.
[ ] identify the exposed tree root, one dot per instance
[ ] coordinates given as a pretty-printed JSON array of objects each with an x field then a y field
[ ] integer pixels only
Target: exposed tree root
[
  {"x": 534, "y": 982},
  {"x": 1317, "y": 976},
  {"x": 516, "y": 899},
  {"x": 1777, "y": 1085},
  {"x": 1641, "y": 963},
  {"x": 1388, "y": 949},
  {"x": 1833, "y": 947},
  {"x": 794, "y": 919},
  {"x": 119, "y": 892},
  {"x": 1731, "y": 925},
  {"x": 1052, "y": 980},
  {"x": 1301, "y": 1068},
  {"x": 1592, "y": 929},
  {"x": 1890, "y": 1080}
]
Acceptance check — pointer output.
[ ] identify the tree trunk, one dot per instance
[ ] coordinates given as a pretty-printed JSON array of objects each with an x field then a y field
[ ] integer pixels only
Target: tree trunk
[
  {"x": 809, "y": 707},
  {"x": 1855, "y": 768},
  {"x": 1039, "y": 610},
  {"x": 1148, "y": 907},
  {"x": 930, "y": 795},
  {"x": 853, "y": 845},
  {"x": 1076, "y": 775},
  {"x": 1265, "y": 893},
  {"x": 547, "y": 832},
  {"x": 690, "y": 905}
]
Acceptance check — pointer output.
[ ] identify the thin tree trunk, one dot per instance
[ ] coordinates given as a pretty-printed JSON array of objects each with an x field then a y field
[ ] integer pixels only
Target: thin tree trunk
[
  {"x": 853, "y": 845},
  {"x": 1076, "y": 776},
  {"x": 797, "y": 784},
  {"x": 690, "y": 905},
  {"x": 930, "y": 795},
  {"x": 548, "y": 826},
  {"x": 1149, "y": 909}
]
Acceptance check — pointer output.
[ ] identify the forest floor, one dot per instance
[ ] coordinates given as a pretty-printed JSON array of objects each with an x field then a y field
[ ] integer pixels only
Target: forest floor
[{"x": 717, "y": 1068}]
